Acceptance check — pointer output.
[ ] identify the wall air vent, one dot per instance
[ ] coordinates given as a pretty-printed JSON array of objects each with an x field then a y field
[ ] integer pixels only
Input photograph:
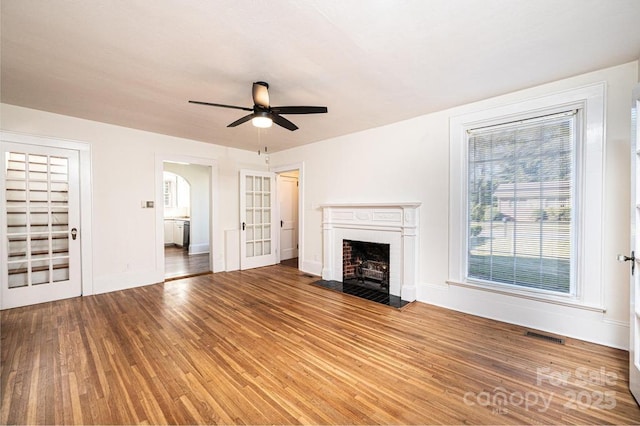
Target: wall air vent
[{"x": 546, "y": 337}]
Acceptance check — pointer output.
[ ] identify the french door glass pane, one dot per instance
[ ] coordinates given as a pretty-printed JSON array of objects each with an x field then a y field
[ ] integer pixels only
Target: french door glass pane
[
  {"x": 258, "y": 215},
  {"x": 37, "y": 207}
]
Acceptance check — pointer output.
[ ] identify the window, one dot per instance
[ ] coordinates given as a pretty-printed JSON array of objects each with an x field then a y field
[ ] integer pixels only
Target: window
[
  {"x": 169, "y": 192},
  {"x": 176, "y": 191},
  {"x": 517, "y": 232},
  {"x": 526, "y": 198}
]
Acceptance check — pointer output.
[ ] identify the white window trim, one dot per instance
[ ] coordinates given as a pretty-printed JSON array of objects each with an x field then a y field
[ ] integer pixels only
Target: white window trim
[{"x": 588, "y": 252}]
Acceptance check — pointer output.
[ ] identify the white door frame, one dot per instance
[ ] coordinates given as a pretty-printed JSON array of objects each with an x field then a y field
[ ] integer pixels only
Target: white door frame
[
  {"x": 288, "y": 168},
  {"x": 216, "y": 240},
  {"x": 86, "y": 194}
]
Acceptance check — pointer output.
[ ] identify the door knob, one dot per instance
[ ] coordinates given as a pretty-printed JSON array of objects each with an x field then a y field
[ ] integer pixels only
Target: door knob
[
  {"x": 74, "y": 233},
  {"x": 632, "y": 258}
]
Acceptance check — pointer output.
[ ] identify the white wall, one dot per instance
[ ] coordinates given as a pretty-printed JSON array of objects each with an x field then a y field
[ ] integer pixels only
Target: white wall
[
  {"x": 409, "y": 161},
  {"x": 125, "y": 240}
]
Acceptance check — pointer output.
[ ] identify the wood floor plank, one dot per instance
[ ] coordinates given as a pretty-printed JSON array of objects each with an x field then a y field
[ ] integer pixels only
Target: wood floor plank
[{"x": 268, "y": 346}]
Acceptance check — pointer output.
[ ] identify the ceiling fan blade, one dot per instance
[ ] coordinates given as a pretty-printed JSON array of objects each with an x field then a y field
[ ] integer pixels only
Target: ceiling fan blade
[
  {"x": 260, "y": 94},
  {"x": 281, "y": 121},
  {"x": 220, "y": 105},
  {"x": 299, "y": 109},
  {"x": 241, "y": 120}
]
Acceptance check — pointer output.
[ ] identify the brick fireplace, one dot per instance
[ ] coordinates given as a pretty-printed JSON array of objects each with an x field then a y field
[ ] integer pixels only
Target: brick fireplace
[
  {"x": 392, "y": 224},
  {"x": 366, "y": 264}
]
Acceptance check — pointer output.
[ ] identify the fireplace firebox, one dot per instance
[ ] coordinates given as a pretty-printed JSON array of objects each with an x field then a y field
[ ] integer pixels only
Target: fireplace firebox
[{"x": 366, "y": 264}]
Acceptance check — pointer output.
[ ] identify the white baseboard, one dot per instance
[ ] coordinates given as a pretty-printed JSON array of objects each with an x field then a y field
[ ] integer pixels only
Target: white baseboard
[
  {"x": 198, "y": 248},
  {"x": 568, "y": 321}
]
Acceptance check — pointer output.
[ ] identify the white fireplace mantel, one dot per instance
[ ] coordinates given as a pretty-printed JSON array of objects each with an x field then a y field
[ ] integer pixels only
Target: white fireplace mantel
[{"x": 396, "y": 224}]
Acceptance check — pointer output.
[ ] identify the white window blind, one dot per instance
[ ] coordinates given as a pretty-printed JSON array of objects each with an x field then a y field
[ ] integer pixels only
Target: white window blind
[
  {"x": 169, "y": 192},
  {"x": 520, "y": 203}
]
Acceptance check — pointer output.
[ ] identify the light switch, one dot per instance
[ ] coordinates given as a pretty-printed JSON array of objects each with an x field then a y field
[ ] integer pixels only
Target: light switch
[{"x": 149, "y": 204}]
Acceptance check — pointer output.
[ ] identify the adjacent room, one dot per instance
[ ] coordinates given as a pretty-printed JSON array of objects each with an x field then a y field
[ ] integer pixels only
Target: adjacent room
[{"x": 319, "y": 212}]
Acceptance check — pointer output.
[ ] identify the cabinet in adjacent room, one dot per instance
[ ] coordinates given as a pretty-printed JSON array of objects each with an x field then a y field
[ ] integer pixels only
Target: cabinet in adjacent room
[
  {"x": 168, "y": 231},
  {"x": 178, "y": 232}
]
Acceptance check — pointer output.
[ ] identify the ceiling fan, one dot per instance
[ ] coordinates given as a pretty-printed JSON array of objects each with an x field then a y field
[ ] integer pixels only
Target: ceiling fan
[{"x": 263, "y": 114}]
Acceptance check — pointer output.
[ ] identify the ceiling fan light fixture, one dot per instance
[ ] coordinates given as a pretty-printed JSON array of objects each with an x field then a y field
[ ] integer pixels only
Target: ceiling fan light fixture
[
  {"x": 262, "y": 121},
  {"x": 263, "y": 115}
]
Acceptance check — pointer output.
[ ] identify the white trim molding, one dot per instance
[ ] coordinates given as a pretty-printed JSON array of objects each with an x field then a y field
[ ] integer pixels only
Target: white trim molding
[
  {"x": 589, "y": 101},
  {"x": 582, "y": 315}
]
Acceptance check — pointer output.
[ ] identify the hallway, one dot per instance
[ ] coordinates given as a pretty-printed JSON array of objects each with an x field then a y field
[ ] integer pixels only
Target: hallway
[{"x": 178, "y": 263}]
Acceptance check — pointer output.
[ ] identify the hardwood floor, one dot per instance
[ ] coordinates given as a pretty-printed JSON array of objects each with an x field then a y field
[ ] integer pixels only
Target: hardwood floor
[
  {"x": 266, "y": 346},
  {"x": 178, "y": 263},
  {"x": 291, "y": 263}
]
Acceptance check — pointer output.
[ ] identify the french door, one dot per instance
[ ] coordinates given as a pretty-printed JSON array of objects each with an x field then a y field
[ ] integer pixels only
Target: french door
[
  {"x": 40, "y": 220},
  {"x": 634, "y": 339},
  {"x": 258, "y": 219}
]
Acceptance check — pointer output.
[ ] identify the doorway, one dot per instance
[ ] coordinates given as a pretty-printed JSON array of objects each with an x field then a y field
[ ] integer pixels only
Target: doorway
[
  {"x": 186, "y": 219},
  {"x": 290, "y": 198},
  {"x": 288, "y": 184}
]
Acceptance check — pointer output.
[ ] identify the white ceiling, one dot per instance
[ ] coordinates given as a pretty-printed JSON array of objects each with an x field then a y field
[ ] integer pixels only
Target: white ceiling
[{"x": 135, "y": 63}]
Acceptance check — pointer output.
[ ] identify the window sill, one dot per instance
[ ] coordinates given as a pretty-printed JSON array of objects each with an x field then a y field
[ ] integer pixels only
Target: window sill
[{"x": 539, "y": 297}]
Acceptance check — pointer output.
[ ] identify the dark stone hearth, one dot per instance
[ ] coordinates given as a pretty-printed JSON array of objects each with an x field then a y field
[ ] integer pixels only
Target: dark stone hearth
[{"x": 366, "y": 293}]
